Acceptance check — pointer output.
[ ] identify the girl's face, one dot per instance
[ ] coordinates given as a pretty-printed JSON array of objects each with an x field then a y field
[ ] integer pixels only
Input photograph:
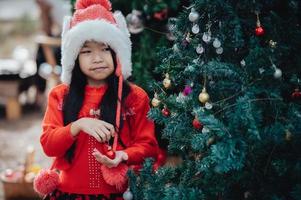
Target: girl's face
[{"x": 96, "y": 62}]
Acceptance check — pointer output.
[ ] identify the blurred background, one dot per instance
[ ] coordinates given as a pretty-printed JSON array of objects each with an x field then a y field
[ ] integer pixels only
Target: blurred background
[{"x": 20, "y": 116}]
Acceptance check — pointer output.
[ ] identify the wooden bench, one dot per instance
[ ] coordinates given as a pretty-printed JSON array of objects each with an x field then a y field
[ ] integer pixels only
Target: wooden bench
[{"x": 9, "y": 96}]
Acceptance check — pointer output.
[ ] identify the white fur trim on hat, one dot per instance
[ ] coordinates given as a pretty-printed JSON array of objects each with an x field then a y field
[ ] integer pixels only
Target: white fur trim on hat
[
  {"x": 99, "y": 31},
  {"x": 121, "y": 22},
  {"x": 66, "y": 25}
]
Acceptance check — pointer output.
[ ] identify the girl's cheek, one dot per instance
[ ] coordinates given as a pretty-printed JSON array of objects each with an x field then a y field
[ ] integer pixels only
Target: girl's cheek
[
  {"x": 106, "y": 55},
  {"x": 85, "y": 58}
]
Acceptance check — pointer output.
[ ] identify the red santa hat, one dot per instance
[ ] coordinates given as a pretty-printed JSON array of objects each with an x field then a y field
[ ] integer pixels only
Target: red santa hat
[{"x": 93, "y": 20}]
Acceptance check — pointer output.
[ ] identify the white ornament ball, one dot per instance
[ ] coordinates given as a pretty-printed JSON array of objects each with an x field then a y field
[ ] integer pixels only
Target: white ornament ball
[
  {"x": 205, "y": 130},
  {"x": 206, "y": 37},
  {"x": 277, "y": 73},
  {"x": 193, "y": 16},
  {"x": 243, "y": 63},
  {"x": 219, "y": 50},
  {"x": 195, "y": 29},
  {"x": 200, "y": 49},
  {"x": 208, "y": 106},
  {"x": 217, "y": 43},
  {"x": 127, "y": 195},
  {"x": 135, "y": 22}
]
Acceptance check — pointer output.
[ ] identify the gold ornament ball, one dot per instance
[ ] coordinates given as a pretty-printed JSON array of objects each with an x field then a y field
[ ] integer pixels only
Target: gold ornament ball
[
  {"x": 204, "y": 96},
  {"x": 167, "y": 83},
  {"x": 288, "y": 136},
  {"x": 210, "y": 141},
  {"x": 155, "y": 102},
  {"x": 272, "y": 44}
]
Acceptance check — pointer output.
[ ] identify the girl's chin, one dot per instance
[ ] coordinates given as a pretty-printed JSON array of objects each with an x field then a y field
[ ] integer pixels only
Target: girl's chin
[{"x": 98, "y": 78}]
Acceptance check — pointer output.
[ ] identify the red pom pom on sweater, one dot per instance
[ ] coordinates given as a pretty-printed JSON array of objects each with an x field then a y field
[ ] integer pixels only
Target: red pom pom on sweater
[{"x": 46, "y": 182}]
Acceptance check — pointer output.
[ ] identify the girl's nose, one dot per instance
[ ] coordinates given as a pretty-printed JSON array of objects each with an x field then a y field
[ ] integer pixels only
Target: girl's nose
[{"x": 97, "y": 58}]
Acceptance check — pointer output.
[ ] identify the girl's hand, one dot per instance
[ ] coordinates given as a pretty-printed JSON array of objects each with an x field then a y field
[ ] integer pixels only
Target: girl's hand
[
  {"x": 120, "y": 156},
  {"x": 100, "y": 130}
]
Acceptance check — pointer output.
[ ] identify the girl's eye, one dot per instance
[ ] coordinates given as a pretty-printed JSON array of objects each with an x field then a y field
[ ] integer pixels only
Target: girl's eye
[
  {"x": 106, "y": 49},
  {"x": 85, "y": 51}
]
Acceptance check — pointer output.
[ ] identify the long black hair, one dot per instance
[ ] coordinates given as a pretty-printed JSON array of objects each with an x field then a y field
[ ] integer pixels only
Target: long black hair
[{"x": 74, "y": 99}]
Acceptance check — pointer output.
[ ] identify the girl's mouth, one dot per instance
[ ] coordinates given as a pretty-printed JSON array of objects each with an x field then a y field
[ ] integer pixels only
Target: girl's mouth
[{"x": 99, "y": 69}]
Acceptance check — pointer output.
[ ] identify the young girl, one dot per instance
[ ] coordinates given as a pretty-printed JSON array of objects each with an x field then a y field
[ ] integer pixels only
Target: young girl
[{"x": 95, "y": 119}]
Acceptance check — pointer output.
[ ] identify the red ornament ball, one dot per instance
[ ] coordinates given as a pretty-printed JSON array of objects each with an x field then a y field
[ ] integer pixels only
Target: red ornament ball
[
  {"x": 197, "y": 124},
  {"x": 165, "y": 112},
  {"x": 259, "y": 31},
  {"x": 161, "y": 15},
  {"x": 111, "y": 154},
  {"x": 296, "y": 94}
]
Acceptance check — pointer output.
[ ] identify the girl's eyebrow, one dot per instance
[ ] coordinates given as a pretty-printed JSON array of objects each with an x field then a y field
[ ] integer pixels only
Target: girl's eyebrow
[
  {"x": 86, "y": 45},
  {"x": 104, "y": 45}
]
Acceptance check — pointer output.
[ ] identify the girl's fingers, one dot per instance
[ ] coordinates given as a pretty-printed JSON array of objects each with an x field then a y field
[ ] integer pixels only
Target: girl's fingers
[
  {"x": 106, "y": 132},
  {"x": 90, "y": 131},
  {"x": 112, "y": 133},
  {"x": 101, "y": 135},
  {"x": 99, "y": 159},
  {"x": 96, "y": 136},
  {"x": 110, "y": 127},
  {"x": 104, "y": 159}
]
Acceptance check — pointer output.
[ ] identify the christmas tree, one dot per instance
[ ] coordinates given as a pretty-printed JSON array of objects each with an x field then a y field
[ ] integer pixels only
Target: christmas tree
[{"x": 229, "y": 104}]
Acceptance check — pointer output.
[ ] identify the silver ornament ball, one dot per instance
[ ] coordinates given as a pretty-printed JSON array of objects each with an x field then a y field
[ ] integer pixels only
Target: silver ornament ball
[
  {"x": 200, "y": 49},
  {"x": 206, "y": 37},
  {"x": 195, "y": 29},
  {"x": 135, "y": 22},
  {"x": 127, "y": 195},
  {"x": 193, "y": 15},
  {"x": 205, "y": 130},
  {"x": 219, "y": 50},
  {"x": 208, "y": 106},
  {"x": 277, "y": 73},
  {"x": 217, "y": 43},
  {"x": 243, "y": 63}
]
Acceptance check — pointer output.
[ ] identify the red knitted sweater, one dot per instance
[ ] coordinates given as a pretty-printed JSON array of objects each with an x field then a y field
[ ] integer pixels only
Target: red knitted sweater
[{"x": 83, "y": 175}]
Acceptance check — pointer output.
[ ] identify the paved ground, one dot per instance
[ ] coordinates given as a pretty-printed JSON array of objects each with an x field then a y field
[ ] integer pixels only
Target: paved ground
[{"x": 16, "y": 136}]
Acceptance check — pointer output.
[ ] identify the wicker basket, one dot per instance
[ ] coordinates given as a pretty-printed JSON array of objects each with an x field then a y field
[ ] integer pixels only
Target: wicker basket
[{"x": 19, "y": 191}]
